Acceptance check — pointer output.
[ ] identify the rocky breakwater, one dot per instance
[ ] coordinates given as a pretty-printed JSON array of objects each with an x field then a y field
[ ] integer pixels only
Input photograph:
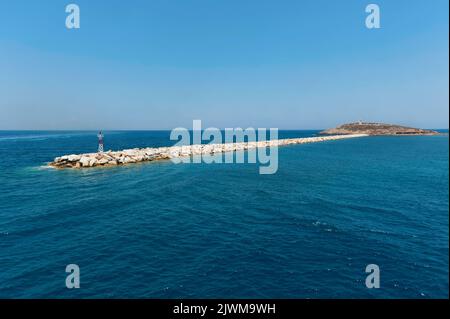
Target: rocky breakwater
[{"x": 137, "y": 155}]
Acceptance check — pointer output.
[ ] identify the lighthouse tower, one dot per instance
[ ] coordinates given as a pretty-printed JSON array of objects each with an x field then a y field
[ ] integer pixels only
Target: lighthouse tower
[{"x": 100, "y": 142}]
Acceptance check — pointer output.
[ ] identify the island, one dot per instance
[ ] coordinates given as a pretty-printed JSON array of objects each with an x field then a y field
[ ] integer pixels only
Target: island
[
  {"x": 137, "y": 155},
  {"x": 376, "y": 129}
]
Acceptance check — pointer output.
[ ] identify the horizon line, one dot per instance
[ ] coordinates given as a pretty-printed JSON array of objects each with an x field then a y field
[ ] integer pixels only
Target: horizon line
[{"x": 141, "y": 130}]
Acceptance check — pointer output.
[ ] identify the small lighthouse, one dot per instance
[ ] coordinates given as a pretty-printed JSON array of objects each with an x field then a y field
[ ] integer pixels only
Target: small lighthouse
[{"x": 100, "y": 142}]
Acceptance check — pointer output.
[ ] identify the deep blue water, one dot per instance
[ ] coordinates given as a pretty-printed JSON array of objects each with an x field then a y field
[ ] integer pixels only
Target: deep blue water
[{"x": 164, "y": 230}]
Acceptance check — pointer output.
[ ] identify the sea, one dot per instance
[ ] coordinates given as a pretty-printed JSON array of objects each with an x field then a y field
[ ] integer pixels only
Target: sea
[{"x": 197, "y": 230}]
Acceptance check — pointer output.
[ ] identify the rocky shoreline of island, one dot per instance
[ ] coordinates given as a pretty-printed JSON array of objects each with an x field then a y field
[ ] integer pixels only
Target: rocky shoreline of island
[
  {"x": 373, "y": 128},
  {"x": 138, "y": 155}
]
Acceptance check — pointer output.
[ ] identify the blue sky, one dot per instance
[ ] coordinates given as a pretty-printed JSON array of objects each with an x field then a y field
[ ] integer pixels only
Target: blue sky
[{"x": 159, "y": 64}]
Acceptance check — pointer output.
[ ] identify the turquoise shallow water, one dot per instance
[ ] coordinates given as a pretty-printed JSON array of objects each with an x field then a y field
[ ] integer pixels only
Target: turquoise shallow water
[{"x": 161, "y": 230}]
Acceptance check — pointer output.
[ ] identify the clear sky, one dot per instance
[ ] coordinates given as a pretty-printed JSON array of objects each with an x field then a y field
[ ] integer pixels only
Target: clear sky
[{"x": 159, "y": 64}]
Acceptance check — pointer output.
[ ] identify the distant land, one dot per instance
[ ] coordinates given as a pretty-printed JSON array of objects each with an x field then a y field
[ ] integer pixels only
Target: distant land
[{"x": 376, "y": 129}]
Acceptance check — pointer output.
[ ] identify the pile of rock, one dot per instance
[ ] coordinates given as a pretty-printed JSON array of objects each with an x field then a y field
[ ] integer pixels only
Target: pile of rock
[{"x": 137, "y": 155}]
